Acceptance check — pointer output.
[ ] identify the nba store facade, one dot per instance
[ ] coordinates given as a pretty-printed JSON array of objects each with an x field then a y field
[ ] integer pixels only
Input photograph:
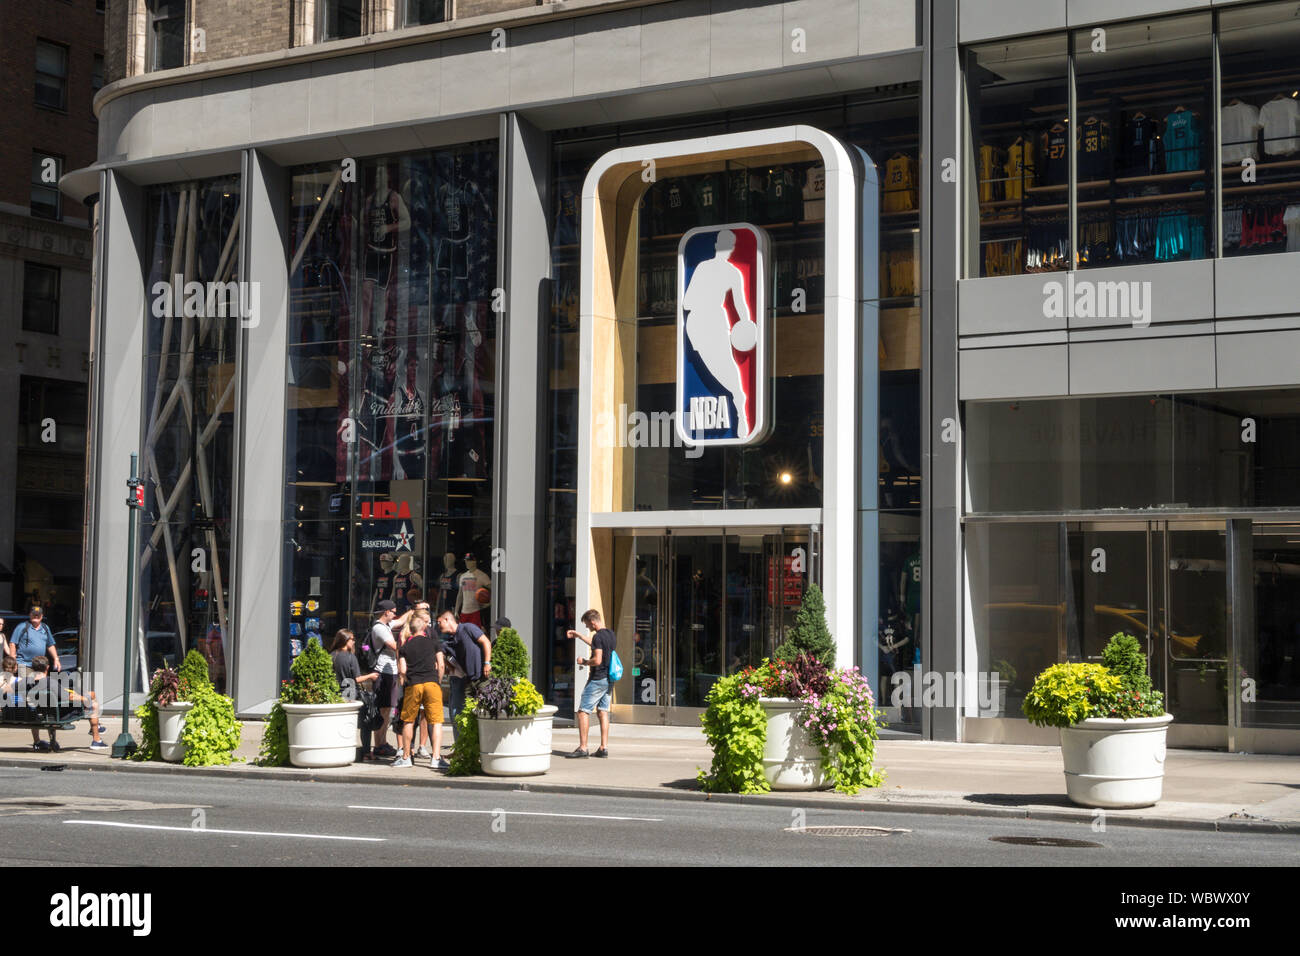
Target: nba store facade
[{"x": 670, "y": 309}]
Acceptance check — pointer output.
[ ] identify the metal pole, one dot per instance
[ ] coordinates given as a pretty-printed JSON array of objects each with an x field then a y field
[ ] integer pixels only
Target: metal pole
[{"x": 124, "y": 746}]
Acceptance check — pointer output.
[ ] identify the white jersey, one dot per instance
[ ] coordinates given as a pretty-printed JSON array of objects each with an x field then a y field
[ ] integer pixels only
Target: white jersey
[
  {"x": 814, "y": 193},
  {"x": 1240, "y": 126},
  {"x": 1281, "y": 122}
]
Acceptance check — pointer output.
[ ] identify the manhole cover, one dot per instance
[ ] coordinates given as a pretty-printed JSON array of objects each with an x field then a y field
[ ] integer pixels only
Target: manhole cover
[
  {"x": 1044, "y": 841},
  {"x": 847, "y": 831}
]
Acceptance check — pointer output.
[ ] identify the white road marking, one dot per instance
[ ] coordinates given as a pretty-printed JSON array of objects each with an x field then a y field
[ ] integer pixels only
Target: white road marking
[
  {"x": 518, "y": 813},
  {"x": 151, "y": 826}
]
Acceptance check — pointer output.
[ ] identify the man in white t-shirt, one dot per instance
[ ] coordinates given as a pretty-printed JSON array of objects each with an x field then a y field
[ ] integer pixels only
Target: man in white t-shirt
[{"x": 385, "y": 645}]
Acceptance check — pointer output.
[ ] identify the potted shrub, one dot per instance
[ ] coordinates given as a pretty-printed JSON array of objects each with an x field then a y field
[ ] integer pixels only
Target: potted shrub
[
  {"x": 793, "y": 723},
  {"x": 185, "y": 720},
  {"x": 1112, "y": 726},
  {"x": 311, "y": 725},
  {"x": 505, "y": 728}
]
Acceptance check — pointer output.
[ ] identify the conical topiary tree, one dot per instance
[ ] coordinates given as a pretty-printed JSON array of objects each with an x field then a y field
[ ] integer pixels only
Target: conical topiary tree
[
  {"x": 809, "y": 635},
  {"x": 193, "y": 675},
  {"x": 1123, "y": 657},
  {"x": 509, "y": 656}
]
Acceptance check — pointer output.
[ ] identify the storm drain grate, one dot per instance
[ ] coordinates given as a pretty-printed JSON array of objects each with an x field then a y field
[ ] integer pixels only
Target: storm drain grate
[
  {"x": 847, "y": 831},
  {"x": 1045, "y": 841}
]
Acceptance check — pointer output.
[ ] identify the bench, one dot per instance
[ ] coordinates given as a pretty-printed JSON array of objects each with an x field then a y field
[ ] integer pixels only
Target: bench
[{"x": 42, "y": 718}]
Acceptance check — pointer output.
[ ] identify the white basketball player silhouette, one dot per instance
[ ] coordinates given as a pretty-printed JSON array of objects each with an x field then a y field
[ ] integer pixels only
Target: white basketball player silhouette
[{"x": 707, "y": 328}]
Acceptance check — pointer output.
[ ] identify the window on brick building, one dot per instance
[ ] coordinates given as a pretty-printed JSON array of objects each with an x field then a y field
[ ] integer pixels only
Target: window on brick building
[
  {"x": 46, "y": 170},
  {"x": 40, "y": 298},
  {"x": 418, "y": 12},
  {"x": 97, "y": 74},
  {"x": 51, "y": 75},
  {"x": 339, "y": 19},
  {"x": 166, "y": 34}
]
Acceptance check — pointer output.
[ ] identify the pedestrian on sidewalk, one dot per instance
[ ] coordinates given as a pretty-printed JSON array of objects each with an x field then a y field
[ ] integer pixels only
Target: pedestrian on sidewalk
[
  {"x": 32, "y": 640},
  {"x": 421, "y": 667},
  {"x": 470, "y": 650},
  {"x": 46, "y": 692},
  {"x": 353, "y": 683},
  {"x": 388, "y": 690},
  {"x": 413, "y": 625},
  {"x": 595, "y": 695}
]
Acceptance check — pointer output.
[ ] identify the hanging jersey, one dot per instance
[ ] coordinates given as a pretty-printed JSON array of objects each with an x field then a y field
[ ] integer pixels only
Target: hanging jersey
[
  {"x": 783, "y": 196},
  {"x": 1281, "y": 122},
  {"x": 1138, "y": 151},
  {"x": 1240, "y": 129},
  {"x": 1182, "y": 141},
  {"x": 1019, "y": 168},
  {"x": 706, "y": 193},
  {"x": 814, "y": 192},
  {"x": 1056, "y": 155},
  {"x": 900, "y": 184},
  {"x": 990, "y": 173},
  {"x": 738, "y": 195},
  {"x": 1094, "y": 150},
  {"x": 912, "y": 590}
]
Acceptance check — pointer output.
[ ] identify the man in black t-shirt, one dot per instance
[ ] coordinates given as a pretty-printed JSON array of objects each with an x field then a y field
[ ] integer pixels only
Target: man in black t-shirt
[
  {"x": 421, "y": 667},
  {"x": 595, "y": 694}
]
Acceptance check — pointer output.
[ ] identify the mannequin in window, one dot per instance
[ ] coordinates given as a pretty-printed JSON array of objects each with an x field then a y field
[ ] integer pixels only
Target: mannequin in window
[
  {"x": 447, "y": 583},
  {"x": 384, "y": 217},
  {"x": 473, "y": 583},
  {"x": 406, "y": 579}
]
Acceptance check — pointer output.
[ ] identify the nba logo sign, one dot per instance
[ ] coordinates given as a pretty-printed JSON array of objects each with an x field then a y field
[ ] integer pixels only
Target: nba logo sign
[{"x": 722, "y": 332}]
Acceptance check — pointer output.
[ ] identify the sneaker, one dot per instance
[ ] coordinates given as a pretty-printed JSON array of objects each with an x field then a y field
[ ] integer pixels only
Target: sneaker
[
  {"x": 578, "y": 753},
  {"x": 402, "y": 762},
  {"x": 41, "y": 746},
  {"x": 98, "y": 745},
  {"x": 424, "y": 753},
  {"x": 439, "y": 764},
  {"x": 54, "y": 747},
  {"x": 386, "y": 750},
  {"x": 602, "y": 752}
]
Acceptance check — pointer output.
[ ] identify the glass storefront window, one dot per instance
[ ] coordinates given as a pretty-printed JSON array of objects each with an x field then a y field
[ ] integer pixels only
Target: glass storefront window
[
  {"x": 1260, "y": 128},
  {"x": 1019, "y": 103},
  {"x": 1192, "y": 450},
  {"x": 1145, "y": 141},
  {"x": 187, "y": 453},
  {"x": 392, "y": 383}
]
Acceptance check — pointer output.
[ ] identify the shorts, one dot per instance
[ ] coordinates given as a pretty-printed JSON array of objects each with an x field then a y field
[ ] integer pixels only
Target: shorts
[
  {"x": 595, "y": 696},
  {"x": 430, "y": 695},
  {"x": 389, "y": 691}
]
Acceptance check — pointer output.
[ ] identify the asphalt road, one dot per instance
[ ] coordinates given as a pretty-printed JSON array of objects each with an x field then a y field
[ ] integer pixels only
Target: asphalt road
[{"x": 86, "y": 818}]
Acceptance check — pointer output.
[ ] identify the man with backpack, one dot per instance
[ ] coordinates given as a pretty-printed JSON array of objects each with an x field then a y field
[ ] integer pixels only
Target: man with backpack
[
  {"x": 31, "y": 640},
  {"x": 595, "y": 693}
]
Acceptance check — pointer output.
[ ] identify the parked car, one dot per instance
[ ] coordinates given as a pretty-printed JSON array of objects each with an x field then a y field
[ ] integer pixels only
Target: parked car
[{"x": 68, "y": 644}]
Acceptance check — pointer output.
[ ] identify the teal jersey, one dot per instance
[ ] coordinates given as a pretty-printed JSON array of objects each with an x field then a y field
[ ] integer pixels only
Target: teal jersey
[{"x": 1182, "y": 141}]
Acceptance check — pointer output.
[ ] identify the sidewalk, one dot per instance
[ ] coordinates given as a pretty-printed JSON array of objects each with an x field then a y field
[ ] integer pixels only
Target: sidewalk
[{"x": 1204, "y": 790}]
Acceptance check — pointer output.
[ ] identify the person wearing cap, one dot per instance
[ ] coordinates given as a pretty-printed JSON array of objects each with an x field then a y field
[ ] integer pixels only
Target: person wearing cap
[
  {"x": 385, "y": 645},
  {"x": 32, "y": 639},
  {"x": 501, "y": 624}
]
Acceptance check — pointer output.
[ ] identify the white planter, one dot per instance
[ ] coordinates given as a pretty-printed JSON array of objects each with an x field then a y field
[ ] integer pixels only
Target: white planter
[
  {"x": 171, "y": 720},
  {"x": 516, "y": 746},
  {"x": 1115, "y": 763},
  {"x": 322, "y": 735},
  {"x": 791, "y": 760}
]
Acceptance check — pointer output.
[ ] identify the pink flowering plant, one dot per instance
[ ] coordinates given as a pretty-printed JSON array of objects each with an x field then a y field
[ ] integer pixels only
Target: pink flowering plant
[{"x": 838, "y": 713}]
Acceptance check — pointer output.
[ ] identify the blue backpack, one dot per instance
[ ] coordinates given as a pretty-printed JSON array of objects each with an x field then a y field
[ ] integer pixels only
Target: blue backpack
[{"x": 615, "y": 667}]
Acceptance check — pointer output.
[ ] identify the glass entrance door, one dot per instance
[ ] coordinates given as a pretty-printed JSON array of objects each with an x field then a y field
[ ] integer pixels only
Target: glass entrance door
[{"x": 699, "y": 607}]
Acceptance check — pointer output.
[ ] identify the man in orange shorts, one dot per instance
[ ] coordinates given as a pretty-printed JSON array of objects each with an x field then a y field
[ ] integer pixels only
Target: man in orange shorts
[{"x": 420, "y": 666}]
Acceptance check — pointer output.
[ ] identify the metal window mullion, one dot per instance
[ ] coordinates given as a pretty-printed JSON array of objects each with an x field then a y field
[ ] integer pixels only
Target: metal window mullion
[
  {"x": 1072, "y": 124},
  {"x": 1217, "y": 100}
]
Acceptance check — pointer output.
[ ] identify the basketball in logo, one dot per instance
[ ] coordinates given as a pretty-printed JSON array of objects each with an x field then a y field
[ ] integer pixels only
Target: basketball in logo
[{"x": 722, "y": 331}]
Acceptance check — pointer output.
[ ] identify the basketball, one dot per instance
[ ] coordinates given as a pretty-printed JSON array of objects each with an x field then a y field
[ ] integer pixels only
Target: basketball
[
  {"x": 483, "y": 596},
  {"x": 744, "y": 335}
]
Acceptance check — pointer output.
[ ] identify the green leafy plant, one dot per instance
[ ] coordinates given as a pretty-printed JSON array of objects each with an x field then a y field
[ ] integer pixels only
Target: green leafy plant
[
  {"x": 312, "y": 682},
  {"x": 736, "y": 728},
  {"x": 509, "y": 656},
  {"x": 1065, "y": 694},
  {"x": 1005, "y": 671},
  {"x": 1123, "y": 657},
  {"x": 465, "y": 759},
  {"x": 809, "y": 634},
  {"x": 210, "y": 733}
]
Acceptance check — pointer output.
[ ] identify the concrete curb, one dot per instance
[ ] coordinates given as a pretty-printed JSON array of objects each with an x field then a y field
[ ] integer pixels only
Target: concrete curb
[{"x": 871, "y": 801}]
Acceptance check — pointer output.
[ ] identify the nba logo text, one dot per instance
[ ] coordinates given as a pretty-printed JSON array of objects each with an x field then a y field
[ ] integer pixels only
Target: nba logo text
[{"x": 722, "y": 335}]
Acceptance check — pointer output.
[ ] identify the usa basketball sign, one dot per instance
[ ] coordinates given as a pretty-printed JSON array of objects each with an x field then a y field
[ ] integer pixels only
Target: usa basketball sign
[{"x": 722, "y": 335}]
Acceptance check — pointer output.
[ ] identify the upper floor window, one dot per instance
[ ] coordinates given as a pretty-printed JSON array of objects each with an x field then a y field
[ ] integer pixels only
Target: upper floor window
[
  {"x": 51, "y": 75},
  {"x": 418, "y": 12},
  {"x": 40, "y": 298},
  {"x": 339, "y": 19},
  {"x": 166, "y": 34},
  {"x": 46, "y": 170},
  {"x": 97, "y": 74}
]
